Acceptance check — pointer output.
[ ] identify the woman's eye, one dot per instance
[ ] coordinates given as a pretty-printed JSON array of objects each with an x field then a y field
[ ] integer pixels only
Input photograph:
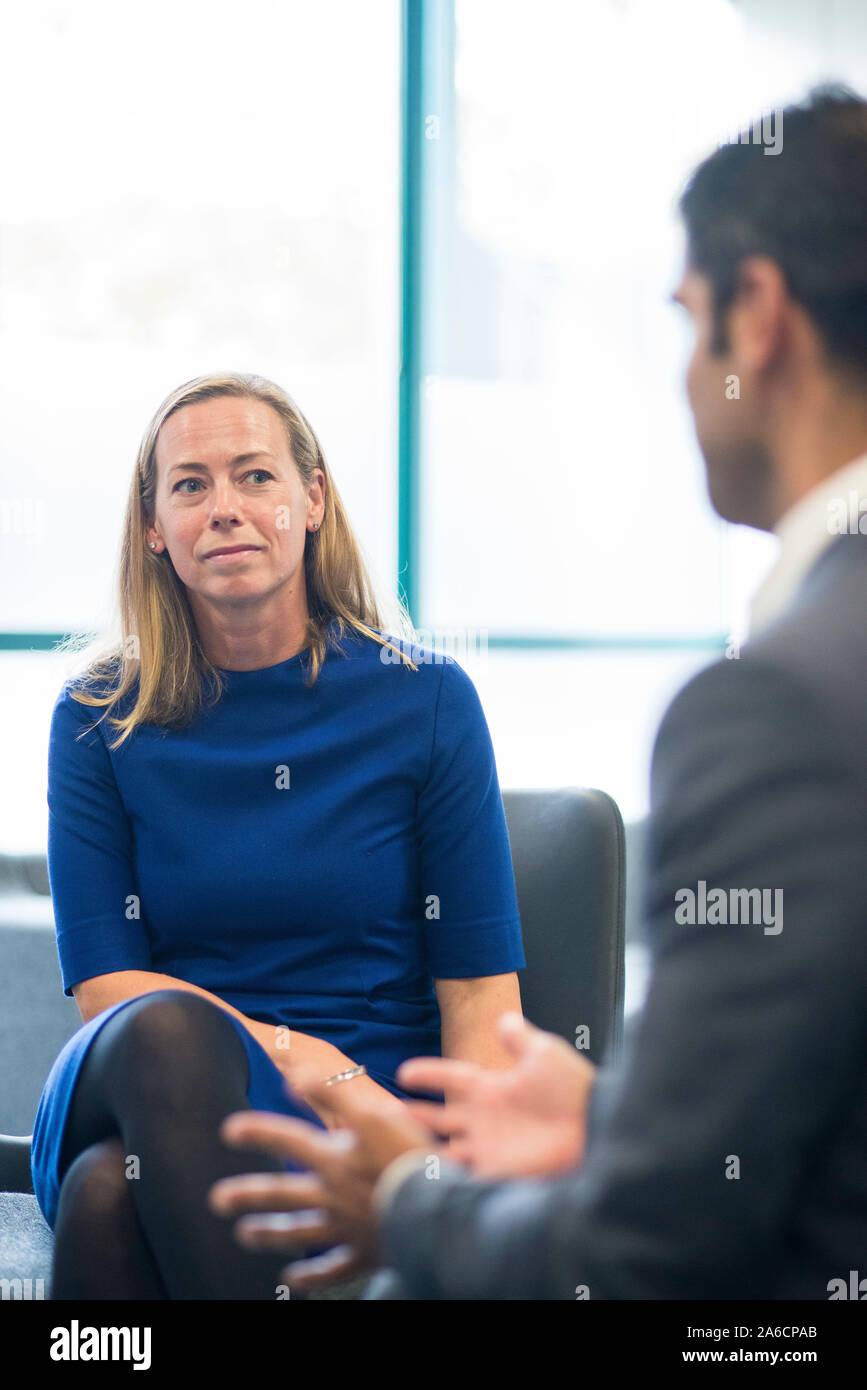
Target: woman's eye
[{"x": 260, "y": 474}]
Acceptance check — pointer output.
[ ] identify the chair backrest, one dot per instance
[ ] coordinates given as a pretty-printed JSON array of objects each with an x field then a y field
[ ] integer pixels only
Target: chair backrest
[
  {"x": 36, "y": 1018},
  {"x": 568, "y": 853}
]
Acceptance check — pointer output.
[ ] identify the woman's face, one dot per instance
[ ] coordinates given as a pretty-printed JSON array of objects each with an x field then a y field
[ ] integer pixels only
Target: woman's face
[{"x": 226, "y": 481}]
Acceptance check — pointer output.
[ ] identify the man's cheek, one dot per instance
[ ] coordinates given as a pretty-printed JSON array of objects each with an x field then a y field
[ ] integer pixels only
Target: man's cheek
[{"x": 693, "y": 392}]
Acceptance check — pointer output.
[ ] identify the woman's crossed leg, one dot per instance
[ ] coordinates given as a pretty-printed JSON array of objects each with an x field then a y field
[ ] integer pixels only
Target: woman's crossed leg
[{"x": 141, "y": 1150}]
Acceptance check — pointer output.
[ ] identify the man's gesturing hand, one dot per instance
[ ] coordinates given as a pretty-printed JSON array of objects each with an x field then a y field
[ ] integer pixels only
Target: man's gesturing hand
[
  {"x": 526, "y": 1121},
  {"x": 332, "y": 1203}
]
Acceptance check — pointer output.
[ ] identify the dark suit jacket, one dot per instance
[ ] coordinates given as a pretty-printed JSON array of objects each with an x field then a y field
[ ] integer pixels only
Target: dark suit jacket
[{"x": 727, "y": 1156}]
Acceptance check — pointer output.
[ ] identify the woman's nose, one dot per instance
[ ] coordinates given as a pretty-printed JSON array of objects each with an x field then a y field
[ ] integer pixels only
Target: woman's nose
[{"x": 225, "y": 506}]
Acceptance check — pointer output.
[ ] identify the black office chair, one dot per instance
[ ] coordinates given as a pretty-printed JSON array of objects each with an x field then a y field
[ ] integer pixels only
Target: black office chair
[{"x": 568, "y": 853}]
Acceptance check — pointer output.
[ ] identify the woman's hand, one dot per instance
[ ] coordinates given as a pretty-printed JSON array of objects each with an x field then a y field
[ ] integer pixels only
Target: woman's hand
[
  {"x": 334, "y": 1103},
  {"x": 526, "y": 1121},
  {"x": 306, "y": 1061}
]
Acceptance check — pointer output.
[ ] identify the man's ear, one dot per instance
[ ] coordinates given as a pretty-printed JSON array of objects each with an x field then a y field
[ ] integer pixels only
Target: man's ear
[{"x": 759, "y": 319}]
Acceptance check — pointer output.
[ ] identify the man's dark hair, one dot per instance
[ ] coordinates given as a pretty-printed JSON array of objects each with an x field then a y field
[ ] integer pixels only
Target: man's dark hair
[{"x": 805, "y": 207}]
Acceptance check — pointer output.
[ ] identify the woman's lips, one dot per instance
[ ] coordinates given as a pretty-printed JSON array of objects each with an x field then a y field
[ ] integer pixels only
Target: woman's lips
[{"x": 225, "y": 557}]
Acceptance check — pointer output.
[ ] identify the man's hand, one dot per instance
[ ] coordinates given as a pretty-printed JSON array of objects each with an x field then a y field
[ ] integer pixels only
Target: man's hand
[
  {"x": 527, "y": 1121},
  {"x": 333, "y": 1201}
]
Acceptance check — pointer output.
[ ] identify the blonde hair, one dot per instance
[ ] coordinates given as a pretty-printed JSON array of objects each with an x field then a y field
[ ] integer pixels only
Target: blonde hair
[{"x": 157, "y": 638}]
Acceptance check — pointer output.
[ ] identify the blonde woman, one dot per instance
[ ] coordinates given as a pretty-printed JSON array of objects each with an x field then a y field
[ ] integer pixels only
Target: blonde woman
[{"x": 276, "y": 840}]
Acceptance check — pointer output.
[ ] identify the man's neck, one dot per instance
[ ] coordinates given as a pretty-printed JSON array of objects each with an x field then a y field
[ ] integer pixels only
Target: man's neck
[
  {"x": 828, "y": 432},
  {"x": 835, "y": 505}
]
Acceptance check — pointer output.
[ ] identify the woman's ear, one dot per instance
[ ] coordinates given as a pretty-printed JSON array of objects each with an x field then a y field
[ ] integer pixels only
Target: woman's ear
[{"x": 316, "y": 498}]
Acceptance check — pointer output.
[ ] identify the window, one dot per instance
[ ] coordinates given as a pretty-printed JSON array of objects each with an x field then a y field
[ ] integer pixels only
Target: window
[
  {"x": 189, "y": 188},
  {"x": 561, "y": 504}
]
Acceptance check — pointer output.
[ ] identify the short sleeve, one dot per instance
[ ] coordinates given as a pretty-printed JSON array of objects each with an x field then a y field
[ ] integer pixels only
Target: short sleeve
[
  {"x": 90, "y": 852},
  {"x": 472, "y": 926}
]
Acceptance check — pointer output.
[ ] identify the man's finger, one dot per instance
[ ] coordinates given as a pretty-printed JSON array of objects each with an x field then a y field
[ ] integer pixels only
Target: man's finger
[
  {"x": 438, "y": 1074},
  {"x": 279, "y": 1232},
  {"x": 516, "y": 1032},
  {"x": 280, "y": 1135},
  {"x": 462, "y": 1152},
  {"x": 442, "y": 1119},
  {"x": 265, "y": 1192},
  {"x": 335, "y": 1264}
]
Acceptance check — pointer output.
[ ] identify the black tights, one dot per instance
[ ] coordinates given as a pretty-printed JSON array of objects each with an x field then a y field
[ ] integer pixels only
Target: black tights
[{"x": 156, "y": 1082}]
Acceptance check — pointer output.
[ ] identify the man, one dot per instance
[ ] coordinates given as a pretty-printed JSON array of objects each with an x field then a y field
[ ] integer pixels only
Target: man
[{"x": 727, "y": 1156}]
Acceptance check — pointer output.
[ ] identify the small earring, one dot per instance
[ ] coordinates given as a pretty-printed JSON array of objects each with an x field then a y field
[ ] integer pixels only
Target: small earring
[
  {"x": 153, "y": 545},
  {"x": 315, "y": 526}
]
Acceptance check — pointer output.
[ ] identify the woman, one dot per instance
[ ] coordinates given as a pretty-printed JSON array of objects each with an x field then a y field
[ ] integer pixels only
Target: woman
[{"x": 282, "y": 844}]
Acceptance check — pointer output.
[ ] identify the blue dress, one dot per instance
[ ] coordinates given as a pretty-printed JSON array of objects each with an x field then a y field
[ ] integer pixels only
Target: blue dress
[{"x": 316, "y": 856}]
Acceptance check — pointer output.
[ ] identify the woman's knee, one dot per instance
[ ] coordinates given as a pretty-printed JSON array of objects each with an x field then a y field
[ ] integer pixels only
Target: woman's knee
[
  {"x": 95, "y": 1187},
  {"x": 169, "y": 1036}
]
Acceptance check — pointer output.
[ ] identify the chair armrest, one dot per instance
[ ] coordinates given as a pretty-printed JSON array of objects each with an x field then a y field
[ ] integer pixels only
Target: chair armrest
[{"x": 15, "y": 1174}]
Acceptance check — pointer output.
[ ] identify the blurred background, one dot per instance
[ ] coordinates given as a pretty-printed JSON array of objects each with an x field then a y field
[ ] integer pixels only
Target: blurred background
[{"x": 447, "y": 228}]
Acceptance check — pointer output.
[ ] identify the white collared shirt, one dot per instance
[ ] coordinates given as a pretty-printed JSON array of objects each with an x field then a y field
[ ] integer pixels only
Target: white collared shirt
[{"x": 832, "y": 507}]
